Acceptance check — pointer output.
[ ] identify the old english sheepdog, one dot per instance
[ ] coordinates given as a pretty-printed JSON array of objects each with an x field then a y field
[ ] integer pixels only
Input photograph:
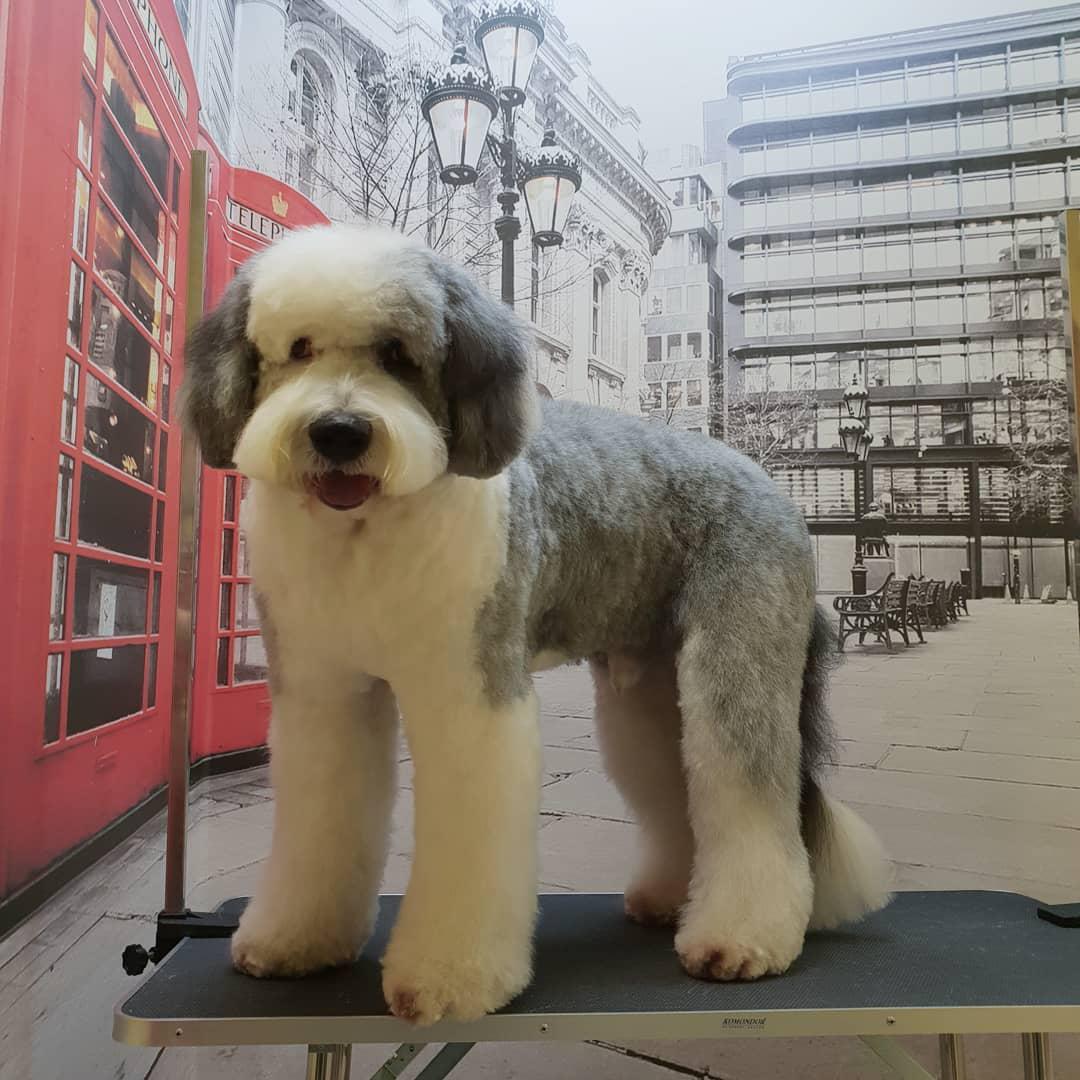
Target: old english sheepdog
[{"x": 423, "y": 536}]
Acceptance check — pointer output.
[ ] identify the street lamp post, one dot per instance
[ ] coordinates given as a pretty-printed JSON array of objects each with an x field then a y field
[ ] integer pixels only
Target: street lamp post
[
  {"x": 856, "y": 439},
  {"x": 1008, "y": 394},
  {"x": 460, "y": 105}
]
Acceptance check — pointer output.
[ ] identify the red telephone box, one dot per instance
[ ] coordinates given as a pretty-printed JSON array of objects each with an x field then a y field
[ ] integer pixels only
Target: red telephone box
[
  {"x": 99, "y": 122},
  {"x": 230, "y": 705}
]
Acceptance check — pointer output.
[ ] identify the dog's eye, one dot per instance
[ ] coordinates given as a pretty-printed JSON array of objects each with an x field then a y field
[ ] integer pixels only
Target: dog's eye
[
  {"x": 394, "y": 360},
  {"x": 301, "y": 349}
]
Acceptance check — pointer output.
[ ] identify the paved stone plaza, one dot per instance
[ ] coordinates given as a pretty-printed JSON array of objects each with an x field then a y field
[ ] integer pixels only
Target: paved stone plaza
[{"x": 964, "y": 753}]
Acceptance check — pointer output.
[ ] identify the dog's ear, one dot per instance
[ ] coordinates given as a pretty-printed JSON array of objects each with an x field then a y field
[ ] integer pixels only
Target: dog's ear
[
  {"x": 487, "y": 381},
  {"x": 221, "y": 368}
]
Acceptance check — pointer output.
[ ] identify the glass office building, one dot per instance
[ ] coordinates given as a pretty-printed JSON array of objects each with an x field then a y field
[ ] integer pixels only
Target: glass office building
[{"x": 892, "y": 211}]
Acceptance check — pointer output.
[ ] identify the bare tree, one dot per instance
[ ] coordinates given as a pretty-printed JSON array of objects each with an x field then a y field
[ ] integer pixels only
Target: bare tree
[
  {"x": 772, "y": 427},
  {"x": 354, "y": 139},
  {"x": 657, "y": 403},
  {"x": 662, "y": 397},
  {"x": 1043, "y": 473}
]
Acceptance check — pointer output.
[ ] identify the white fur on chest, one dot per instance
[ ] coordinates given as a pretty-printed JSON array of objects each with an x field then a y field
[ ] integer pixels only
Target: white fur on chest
[{"x": 391, "y": 592}]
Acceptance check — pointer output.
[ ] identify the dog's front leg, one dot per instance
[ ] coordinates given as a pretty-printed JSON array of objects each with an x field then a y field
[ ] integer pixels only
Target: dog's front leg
[
  {"x": 462, "y": 945},
  {"x": 333, "y": 765}
]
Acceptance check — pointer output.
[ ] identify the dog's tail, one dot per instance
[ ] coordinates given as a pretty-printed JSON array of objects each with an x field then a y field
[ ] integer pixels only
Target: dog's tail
[{"x": 851, "y": 873}]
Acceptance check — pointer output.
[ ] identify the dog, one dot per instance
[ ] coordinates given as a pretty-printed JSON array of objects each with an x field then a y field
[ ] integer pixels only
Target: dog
[{"x": 424, "y": 535}]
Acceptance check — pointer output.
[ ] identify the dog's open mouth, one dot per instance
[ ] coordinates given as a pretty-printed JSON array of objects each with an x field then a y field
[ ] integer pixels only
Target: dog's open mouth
[{"x": 342, "y": 491}]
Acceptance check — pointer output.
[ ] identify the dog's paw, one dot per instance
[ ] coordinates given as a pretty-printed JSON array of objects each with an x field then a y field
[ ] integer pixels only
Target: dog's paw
[
  {"x": 730, "y": 932},
  {"x": 764, "y": 942},
  {"x": 266, "y": 945},
  {"x": 422, "y": 986},
  {"x": 728, "y": 960}
]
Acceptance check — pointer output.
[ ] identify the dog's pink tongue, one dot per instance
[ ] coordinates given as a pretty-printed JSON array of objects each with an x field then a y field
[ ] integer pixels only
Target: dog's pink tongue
[{"x": 343, "y": 492}]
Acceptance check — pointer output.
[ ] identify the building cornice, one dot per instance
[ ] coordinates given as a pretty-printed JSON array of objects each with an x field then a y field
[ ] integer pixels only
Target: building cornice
[
  {"x": 1045, "y": 24},
  {"x": 626, "y": 265},
  {"x": 603, "y": 156},
  {"x": 604, "y": 368}
]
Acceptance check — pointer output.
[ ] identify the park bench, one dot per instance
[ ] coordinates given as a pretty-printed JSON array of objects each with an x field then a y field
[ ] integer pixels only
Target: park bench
[{"x": 880, "y": 613}]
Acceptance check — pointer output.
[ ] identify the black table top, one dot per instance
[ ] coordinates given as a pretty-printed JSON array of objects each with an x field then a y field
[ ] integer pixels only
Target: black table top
[{"x": 980, "y": 960}]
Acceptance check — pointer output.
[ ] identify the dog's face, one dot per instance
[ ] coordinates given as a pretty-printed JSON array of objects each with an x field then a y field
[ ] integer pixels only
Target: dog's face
[{"x": 349, "y": 362}]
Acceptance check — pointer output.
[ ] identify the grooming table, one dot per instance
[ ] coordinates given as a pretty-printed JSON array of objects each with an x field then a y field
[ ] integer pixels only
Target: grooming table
[{"x": 931, "y": 963}]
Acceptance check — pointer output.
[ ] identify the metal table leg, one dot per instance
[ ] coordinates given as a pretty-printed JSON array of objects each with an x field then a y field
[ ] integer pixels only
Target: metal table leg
[
  {"x": 898, "y": 1061},
  {"x": 953, "y": 1065},
  {"x": 437, "y": 1068},
  {"x": 329, "y": 1062},
  {"x": 398, "y": 1061},
  {"x": 444, "y": 1061},
  {"x": 1038, "y": 1064}
]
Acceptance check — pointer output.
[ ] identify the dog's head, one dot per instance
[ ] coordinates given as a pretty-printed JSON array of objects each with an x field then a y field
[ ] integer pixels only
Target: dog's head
[{"x": 347, "y": 361}]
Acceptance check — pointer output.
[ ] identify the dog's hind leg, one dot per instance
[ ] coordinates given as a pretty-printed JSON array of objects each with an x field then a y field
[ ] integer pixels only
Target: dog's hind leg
[
  {"x": 638, "y": 728},
  {"x": 740, "y": 682}
]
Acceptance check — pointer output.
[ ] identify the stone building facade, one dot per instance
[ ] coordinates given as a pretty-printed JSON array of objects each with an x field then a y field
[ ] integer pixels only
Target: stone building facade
[
  {"x": 682, "y": 384},
  {"x": 892, "y": 214},
  {"x": 294, "y": 75}
]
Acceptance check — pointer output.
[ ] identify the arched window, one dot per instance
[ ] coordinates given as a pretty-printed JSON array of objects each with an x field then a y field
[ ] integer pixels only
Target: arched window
[
  {"x": 601, "y": 313},
  {"x": 310, "y": 97},
  {"x": 373, "y": 83}
]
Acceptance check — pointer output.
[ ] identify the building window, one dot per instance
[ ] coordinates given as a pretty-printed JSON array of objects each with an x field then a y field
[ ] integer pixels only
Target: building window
[
  {"x": 673, "y": 253},
  {"x": 980, "y": 73},
  {"x": 697, "y": 249},
  {"x": 673, "y": 302},
  {"x": 693, "y": 346},
  {"x": 654, "y": 350},
  {"x": 1037, "y": 122},
  {"x": 309, "y": 104},
  {"x": 880, "y": 87},
  {"x": 674, "y": 347},
  {"x": 944, "y": 363},
  {"x": 923, "y": 492},
  {"x": 1031, "y": 67},
  {"x": 834, "y": 201},
  {"x": 930, "y": 81},
  {"x": 752, "y": 106},
  {"x": 601, "y": 312},
  {"x": 956, "y": 430},
  {"x": 900, "y": 306},
  {"x": 693, "y": 391},
  {"x": 674, "y": 395}
]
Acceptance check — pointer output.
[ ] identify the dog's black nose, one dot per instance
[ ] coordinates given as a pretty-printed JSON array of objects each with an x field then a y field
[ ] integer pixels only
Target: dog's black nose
[{"x": 340, "y": 437}]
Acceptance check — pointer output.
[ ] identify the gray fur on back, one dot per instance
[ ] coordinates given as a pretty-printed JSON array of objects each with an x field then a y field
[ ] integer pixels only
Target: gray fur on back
[{"x": 617, "y": 528}]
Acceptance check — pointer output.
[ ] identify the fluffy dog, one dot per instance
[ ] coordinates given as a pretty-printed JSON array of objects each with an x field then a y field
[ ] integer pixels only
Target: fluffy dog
[{"x": 423, "y": 536}]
